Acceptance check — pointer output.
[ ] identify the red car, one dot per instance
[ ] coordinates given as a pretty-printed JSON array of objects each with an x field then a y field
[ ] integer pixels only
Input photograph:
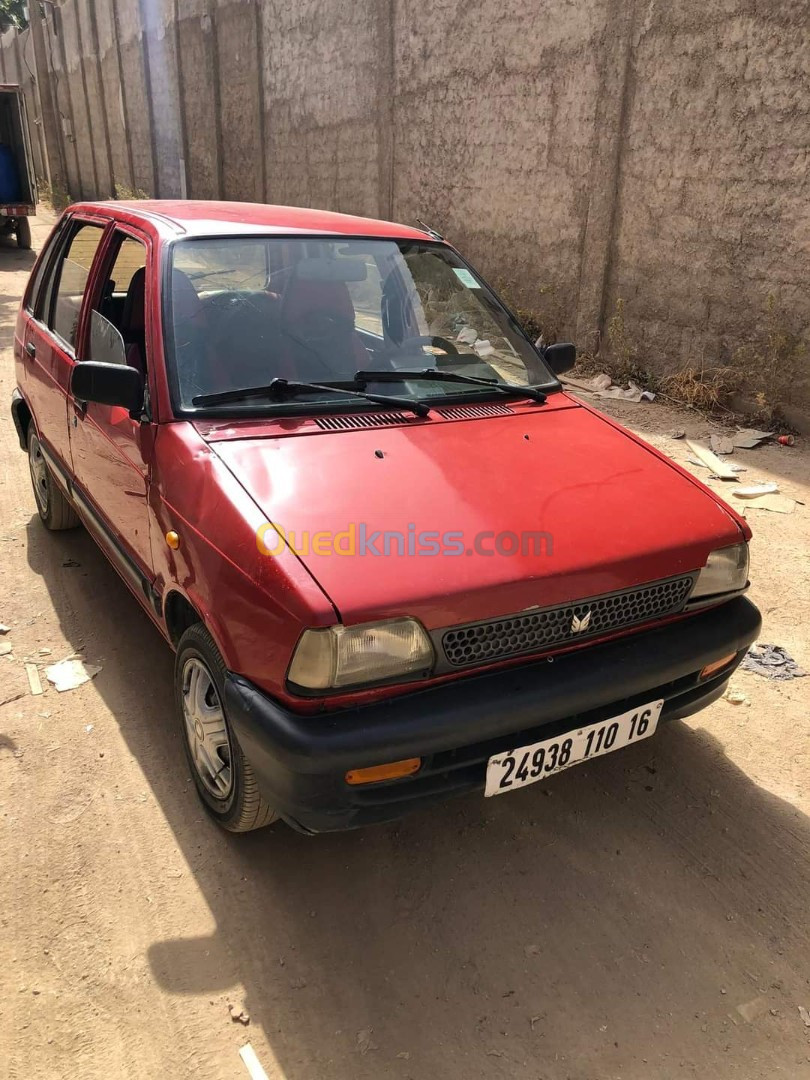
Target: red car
[{"x": 394, "y": 558}]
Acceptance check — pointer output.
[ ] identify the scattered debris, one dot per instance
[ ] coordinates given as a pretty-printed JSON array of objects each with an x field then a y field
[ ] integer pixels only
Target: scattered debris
[
  {"x": 772, "y": 661},
  {"x": 602, "y": 386},
  {"x": 71, "y": 562},
  {"x": 88, "y": 728},
  {"x": 711, "y": 461},
  {"x": 777, "y": 504},
  {"x": 750, "y": 1010},
  {"x": 721, "y": 444},
  {"x": 535, "y": 1020},
  {"x": 678, "y": 434},
  {"x": 34, "y": 681},
  {"x": 252, "y": 1063},
  {"x": 786, "y": 440},
  {"x": 755, "y": 490},
  {"x": 404, "y": 1054},
  {"x": 70, "y": 673},
  {"x": 44, "y": 652},
  {"x": 5, "y": 648},
  {"x": 805, "y": 1015},
  {"x": 495, "y": 1053},
  {"x": 735, "y": 697},
  {"x": 748, "y": 438},
  {"x": 364, "y": 1043},
  {"x": 239, "y": 1016},
  {"x": 531, "y": 950},
  {"x": 4, "y": 629}
]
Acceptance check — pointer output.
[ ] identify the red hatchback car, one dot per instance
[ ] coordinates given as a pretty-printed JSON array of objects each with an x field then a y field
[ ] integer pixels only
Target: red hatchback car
[{"x": 394, "y": 558}]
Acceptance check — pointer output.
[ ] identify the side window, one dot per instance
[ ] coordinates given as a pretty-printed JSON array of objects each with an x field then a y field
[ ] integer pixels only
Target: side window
[
  {"x": 70, "y": 281},
  {"x": 34, "y": 293},
  {"x": 118, "y": 321}
]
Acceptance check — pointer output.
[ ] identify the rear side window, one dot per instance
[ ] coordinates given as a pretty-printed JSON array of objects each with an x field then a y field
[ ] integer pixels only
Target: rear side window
[{"x": 71, "y": 275}]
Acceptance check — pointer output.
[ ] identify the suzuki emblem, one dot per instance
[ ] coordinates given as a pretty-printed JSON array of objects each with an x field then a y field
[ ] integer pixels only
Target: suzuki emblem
[{"x": 579, "y": 626}]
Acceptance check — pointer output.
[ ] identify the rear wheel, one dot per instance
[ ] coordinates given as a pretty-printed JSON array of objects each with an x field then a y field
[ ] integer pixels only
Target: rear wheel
[
  {"x": 23, "y": 233},
  {"x": 54, "y": 509},
  {"x": 224, "y": 779}
]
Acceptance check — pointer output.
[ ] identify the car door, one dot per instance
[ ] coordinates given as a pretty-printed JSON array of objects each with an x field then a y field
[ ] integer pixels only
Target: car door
[
  {"x": 111, "y": 451},
  {"x": 51, "y": 333}
]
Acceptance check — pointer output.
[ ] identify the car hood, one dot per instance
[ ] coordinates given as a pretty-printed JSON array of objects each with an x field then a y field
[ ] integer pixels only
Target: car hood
[{"x": 612, "y": 512}]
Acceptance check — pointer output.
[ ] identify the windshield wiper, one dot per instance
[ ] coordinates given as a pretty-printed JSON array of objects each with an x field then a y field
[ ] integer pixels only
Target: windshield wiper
[
  {"x": 437, "y": 375},
  {"x": 281, "y": 389}
]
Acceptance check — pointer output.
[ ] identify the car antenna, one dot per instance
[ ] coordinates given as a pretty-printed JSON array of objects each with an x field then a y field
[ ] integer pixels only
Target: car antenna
[{"x": 431, "y": 232}]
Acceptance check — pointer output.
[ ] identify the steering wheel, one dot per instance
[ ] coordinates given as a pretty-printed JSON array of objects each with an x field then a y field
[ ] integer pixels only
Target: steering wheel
[{"x": 427, "y": 339}]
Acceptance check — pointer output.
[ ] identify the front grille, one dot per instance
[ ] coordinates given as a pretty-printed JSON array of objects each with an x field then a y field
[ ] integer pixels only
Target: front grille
[{"x": 535, "y": 631}]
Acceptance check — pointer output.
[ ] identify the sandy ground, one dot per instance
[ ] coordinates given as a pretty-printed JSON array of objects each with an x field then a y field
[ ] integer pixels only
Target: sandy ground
[{"x": 644, "y": 917}]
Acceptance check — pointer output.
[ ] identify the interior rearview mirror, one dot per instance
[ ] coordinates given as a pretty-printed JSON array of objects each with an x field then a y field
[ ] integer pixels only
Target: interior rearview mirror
[
  {"x": 108, "y": 384},
  {"x": 560, "y": 357}
]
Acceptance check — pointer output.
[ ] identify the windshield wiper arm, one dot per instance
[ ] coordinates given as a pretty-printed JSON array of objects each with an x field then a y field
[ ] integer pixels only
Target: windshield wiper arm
[
  {"x": 437, "y": 375},
  {"x": 284, "y": 388}
]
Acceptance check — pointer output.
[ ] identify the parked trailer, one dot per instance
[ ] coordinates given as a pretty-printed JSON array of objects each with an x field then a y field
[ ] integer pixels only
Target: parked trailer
[{"x": 18, "y": 187}]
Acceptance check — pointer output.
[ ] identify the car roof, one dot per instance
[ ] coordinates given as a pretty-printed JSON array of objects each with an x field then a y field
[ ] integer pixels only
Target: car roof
[{"x": 197, "y": 217}]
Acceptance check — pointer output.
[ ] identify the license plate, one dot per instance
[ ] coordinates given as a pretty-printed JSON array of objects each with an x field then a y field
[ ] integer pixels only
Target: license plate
[{"x": 528, "y": 764}]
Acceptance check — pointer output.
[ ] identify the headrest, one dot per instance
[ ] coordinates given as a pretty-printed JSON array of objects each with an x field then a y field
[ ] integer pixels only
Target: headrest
[{"x": 331, "y": 270}]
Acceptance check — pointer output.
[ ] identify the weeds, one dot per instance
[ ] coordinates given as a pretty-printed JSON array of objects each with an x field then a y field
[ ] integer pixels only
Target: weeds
[
  {"x": 545, "y": 320},
  {"x": 129, "y": 194},
  {"x": 55, "y": 197}
]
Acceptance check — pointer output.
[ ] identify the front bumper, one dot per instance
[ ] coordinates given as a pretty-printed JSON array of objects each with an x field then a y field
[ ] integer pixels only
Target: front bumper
[{"x": 300, "y": 761}]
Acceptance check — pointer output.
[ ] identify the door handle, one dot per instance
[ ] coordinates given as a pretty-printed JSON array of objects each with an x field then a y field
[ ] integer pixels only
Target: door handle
[{"x": 31, "y": 349}]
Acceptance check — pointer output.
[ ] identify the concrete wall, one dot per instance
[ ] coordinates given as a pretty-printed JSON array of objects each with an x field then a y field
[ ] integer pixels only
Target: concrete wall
[{"x": 578, "y": 150}]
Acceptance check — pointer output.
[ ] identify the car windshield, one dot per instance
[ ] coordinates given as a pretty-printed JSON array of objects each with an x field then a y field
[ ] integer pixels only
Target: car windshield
[{"x": 244, "y": 311}]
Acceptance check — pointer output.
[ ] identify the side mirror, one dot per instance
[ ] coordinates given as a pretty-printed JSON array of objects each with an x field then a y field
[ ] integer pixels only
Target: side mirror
[
  {"x": 108, "y": 384},
  {"x": 560, "y": 357}
]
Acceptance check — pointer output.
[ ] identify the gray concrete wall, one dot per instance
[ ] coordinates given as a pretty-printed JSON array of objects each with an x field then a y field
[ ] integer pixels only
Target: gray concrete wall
[{"x": 579, "y": 151}]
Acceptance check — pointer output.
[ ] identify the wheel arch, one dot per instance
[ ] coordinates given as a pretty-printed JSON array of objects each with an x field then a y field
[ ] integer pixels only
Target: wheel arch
[
  {"x": 22, "y": 416},
  {"x": 180, "y": 612}
]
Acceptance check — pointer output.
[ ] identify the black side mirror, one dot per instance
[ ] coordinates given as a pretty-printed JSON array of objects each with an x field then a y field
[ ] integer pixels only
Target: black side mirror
[
  {"x": 560, "y": 357},
  {"x": 108, "y": 384}
]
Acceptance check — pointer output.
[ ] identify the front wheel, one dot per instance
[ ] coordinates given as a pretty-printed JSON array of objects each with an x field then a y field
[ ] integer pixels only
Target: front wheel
[
  {"x": 224, "y": 779},
  {"x": 55, "y": 512}
]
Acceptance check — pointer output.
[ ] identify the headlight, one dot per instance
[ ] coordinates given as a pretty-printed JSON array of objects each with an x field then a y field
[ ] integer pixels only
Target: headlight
[
  {"x": 726, "y": 570},
  {"x": 343, "y": 656}
]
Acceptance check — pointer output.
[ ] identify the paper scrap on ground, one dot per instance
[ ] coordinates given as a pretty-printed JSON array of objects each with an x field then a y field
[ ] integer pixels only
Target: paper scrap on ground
[
  {"x": 712, "y": 461},
  {"x": 777, "y": 504},
  {"x": 750, "y": 437},
  {"x": 755, "y": 490},
  {"x": 4, "y": 629},
  {"x": 252, "y": 1063},
  {"x": 772, "y": 661},
  {"x": 721, "y": 444},
  {"x": 70, "y": 673},
  {"x": 34, "y": 681}
]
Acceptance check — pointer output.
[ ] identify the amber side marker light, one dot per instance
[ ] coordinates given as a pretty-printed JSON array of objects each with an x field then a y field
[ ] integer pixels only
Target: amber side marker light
[
  {"x": 173, "y": 540},
  {"x": 392, "y": 771},
  {"x": 716, "y": 665}
]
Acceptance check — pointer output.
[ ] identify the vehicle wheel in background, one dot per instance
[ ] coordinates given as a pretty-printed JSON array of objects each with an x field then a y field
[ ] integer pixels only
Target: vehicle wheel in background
[
  {"x": 23, "y": 233},
  {"x": 54, "y": 509},
  {"x": 224, "y": 779}
]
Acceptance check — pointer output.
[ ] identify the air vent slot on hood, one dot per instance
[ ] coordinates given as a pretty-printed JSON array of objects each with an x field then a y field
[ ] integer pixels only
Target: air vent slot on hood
[
  {"x": 359, "y": 420},
  {"x": 467, "y": 412}
]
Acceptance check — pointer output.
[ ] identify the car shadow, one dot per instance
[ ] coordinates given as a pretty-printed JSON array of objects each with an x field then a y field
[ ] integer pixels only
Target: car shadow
[{"x": 629, "y": 918}]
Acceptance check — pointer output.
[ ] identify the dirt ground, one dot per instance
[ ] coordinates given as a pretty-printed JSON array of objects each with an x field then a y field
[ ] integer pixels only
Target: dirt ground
[{"x": 647, "y": 916}]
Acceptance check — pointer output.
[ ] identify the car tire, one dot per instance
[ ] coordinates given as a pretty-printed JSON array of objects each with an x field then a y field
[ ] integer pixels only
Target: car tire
[
  {"x": 55, "y": 510},
  {"x": 24, "y": 234},
  {"x": 224, "y": 780}
]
